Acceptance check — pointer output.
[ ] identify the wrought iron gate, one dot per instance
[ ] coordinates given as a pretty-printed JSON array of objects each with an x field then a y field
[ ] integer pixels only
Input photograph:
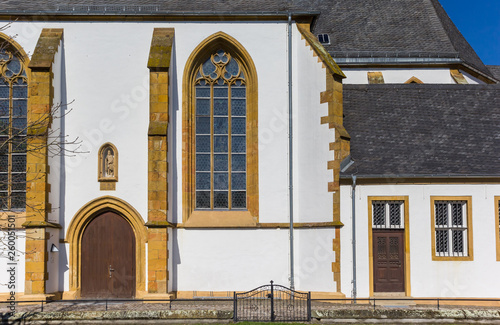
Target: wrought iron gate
[{"x": 272, "y": 303}]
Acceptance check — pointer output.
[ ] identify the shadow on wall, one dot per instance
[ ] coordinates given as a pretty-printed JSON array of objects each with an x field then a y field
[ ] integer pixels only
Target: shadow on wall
[{"x": 172, "y": 159}]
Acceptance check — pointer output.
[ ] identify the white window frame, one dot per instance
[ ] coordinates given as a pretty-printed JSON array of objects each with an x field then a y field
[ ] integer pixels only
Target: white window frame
[
  {"x": 387, "y": 222},
  {"x": 450, "y": 228}
]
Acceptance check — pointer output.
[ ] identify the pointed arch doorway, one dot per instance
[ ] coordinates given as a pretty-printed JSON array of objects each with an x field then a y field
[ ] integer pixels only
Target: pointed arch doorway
[
  {"x": 108, "y": 258},
  {"x": 83, "y": 219}
]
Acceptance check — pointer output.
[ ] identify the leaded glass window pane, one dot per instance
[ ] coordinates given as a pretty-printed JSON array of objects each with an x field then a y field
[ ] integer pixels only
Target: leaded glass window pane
[
  {"x": 19, "y": 144},
  {"x": 4, "y": 126},
  {"x": 238, "y": 162},
  {"x": 4, "y": 91},
  {"x": 4, "y": 201},
  {"x": 4, "y": 162},
  {"x": 203, "y": 125},
  {"x": 203, "y": 162},
  {"x": 203, "y": 143},
  {"x": 19, "y": 182},
  {"x": 221, "y": 181},
  {"x": 220, "y": 200},
  {"x": 202, "y": 181},
  {"x": 220, "y": 128},
  {"x": 18, "y": 163},
  {"x": 4, "y": 108},
  {"x": 13, "y": 130},
  {"x": 239, "y": 199},
  {"x": 238, "y": 144},
  {"x": 220, "y": 162},
  {"x": 202, "y": 199},
  {"x": 202, "y": 107}
]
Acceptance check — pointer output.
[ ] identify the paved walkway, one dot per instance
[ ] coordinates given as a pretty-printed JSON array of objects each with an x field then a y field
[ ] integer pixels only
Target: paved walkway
[{"x": 63, "y": 312}]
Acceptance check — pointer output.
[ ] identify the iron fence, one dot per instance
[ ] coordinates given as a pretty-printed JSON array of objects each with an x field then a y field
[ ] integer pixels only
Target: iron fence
[
  {"x": 265, "y": 303},
  {"x": 272, "y": 303}
]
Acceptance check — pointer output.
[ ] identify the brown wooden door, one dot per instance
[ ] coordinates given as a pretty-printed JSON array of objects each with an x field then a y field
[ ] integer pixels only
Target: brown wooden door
[
  {"x": 388, "y": 261},
  {"x": 108, "y": 258}
]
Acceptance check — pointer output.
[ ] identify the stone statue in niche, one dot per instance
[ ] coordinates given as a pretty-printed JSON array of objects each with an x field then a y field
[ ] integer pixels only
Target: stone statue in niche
[
  {"x": 109, "y": 164},
  {"x": 108, "y": 167}
]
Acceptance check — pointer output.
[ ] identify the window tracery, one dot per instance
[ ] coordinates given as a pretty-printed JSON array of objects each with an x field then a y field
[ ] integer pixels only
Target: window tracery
[{"x": 220, "y": 128}]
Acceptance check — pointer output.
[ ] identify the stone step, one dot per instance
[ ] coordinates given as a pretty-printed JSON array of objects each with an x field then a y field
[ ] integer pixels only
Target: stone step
[{"x": 400, "y": 299}]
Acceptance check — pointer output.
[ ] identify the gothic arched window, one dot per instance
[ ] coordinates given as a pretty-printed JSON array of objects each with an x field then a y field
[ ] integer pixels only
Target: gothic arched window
[
  {"x": 220, "y": 138},
  {"x": 220, "y": 129},
  {"x": 13, "y": 128}
]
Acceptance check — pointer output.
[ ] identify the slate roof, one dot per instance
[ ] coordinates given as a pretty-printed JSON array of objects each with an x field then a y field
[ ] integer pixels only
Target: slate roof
[
  {"x": 361, "y": 28},
  {"x": 495, "y": 70},
  {"x": 423, "y": 129}
]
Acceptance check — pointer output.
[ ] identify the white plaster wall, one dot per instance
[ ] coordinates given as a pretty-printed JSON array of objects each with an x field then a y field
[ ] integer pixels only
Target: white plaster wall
[
  {"x": 400, "y": 76},
  {"x": 429, "y": 278},
  {"x": 20, "y": 249},
  {"x": 313, "y": 250},
  {"x": 313, "y": 202},
  {"x": 56, "y": 137},
  {"x": 314, "y": 257},
  {"x": 224, "y": 260}
]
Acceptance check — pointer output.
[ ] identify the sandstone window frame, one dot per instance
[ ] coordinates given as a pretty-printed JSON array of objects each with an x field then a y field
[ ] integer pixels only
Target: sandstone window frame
[
  {"x": 467, "y": 209},
  {"x": 191, "y": 216}
]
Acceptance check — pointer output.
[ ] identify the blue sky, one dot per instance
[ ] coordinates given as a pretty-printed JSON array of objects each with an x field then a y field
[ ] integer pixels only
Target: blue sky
[{"x": 479, "y": 22}]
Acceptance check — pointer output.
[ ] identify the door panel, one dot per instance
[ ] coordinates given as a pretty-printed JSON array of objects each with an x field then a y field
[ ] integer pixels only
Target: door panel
[
  {"x": 388, "y": 261},
  {"x": 108, "y": 258}
]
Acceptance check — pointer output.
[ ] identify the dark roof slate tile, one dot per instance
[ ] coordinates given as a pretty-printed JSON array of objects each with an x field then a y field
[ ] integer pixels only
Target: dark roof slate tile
[
  {"x": 495, "y": 70},
  {"x": 423, "y": 129}
]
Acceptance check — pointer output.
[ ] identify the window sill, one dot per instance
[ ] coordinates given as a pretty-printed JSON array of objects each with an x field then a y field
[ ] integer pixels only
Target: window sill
[
  {"x": 452, "y": 258},
  {"x": 220, "y": 219}
]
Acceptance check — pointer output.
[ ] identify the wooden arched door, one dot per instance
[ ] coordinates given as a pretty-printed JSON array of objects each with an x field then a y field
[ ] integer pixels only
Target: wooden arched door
[{"x": 108, "y": 258}]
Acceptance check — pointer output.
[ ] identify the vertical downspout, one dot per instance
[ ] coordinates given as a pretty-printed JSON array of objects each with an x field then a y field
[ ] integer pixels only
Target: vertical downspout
[
  {"x": 354, "y": 290},
  {"x": 290, "y": 146}
]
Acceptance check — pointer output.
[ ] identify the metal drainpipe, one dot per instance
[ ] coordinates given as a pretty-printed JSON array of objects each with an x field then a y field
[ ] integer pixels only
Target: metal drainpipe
[
  {"x": 290, "y": 147},
  {"x": 354, "y": 290}
]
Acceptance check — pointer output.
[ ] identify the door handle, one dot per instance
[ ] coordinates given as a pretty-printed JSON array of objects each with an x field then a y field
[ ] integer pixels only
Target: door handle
[{"x": 110, "y": 270}]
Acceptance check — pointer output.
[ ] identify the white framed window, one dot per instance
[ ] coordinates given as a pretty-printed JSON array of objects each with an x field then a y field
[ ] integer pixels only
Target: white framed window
[
  {"x": 452, "y": 228},
  {"x": 388, "y": 215}
]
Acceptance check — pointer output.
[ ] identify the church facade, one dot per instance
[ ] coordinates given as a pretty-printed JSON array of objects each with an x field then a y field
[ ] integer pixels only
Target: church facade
[{"x": 163, "y": 150}]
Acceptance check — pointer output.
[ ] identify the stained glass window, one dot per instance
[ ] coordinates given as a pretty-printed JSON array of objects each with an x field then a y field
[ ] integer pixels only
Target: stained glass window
[
  {"x": 13, "y": 127},
  {"x": 220, "y": 129}
]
